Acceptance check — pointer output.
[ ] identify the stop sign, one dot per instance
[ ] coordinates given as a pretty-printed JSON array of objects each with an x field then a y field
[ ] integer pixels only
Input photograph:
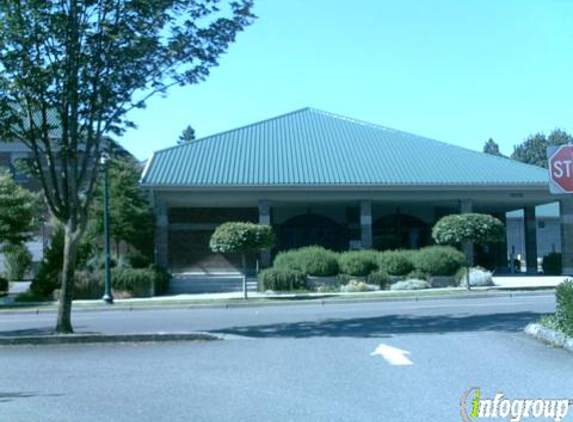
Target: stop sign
[{"x": 561, "y": 169}]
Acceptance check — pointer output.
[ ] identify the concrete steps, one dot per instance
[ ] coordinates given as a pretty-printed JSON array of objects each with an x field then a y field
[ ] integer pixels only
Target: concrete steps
[{"x": 185, "y": 283}]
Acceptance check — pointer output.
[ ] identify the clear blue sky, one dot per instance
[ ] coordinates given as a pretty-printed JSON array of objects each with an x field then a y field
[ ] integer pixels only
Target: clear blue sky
[{"x": 459, "y": 71}]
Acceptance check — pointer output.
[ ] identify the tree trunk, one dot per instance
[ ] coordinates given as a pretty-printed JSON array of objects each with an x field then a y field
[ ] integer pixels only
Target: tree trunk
[{"x": 72, "y": 237}]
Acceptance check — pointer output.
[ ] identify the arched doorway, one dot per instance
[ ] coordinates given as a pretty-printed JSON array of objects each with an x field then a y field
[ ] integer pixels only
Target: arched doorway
[
  {"x": 400, "y": 231},
  {"x": 310, "y": 229}
]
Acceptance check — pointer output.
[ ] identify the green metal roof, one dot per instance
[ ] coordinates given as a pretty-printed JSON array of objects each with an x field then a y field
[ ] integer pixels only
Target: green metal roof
[{"x": 313, "y": 147}]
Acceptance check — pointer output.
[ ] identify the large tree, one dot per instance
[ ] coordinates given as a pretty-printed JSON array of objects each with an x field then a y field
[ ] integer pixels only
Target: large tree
[
  {"x": 71, "y": 70},
  {"x": 187, "y": 135},
  {"x": 534, "y": 149},
  {"x": 491, "y": 147}
]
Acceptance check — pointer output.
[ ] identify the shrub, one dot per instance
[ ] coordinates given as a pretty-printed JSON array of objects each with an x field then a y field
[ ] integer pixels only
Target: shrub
[
  {"x": 282, "y": 279},
  {"x": 379, "y": 278},
  {"x": 418, "y": 275},
  {"x": 96, "y": 262},
  {"x": 412, "y": 284},
  {"x": 396, "y": 262},
  {"x": 140, "y": 282},
  {"x": 358, "y": 263},
  {"x": 327, "y": 288},
  {"x": 439, "y": 260},
  {"x": 357, "y": 286},
  {"x": 29, "y": 296},
  {"x": 311, "y": 260},
  {"x": 478, "y": 277},
  {"x": 18, "y": 262},
  {"x": 4, "y": 285},
  {"x": 552, "y": 264},
  {"x": 48, "y": 277},
  {"x": 564, "y": 308},
  {"x": 136, "y": 259}
]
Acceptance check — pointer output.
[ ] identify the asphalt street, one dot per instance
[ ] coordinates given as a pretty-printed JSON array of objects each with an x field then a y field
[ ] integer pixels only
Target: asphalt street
[{"x": 286, "y": 363}]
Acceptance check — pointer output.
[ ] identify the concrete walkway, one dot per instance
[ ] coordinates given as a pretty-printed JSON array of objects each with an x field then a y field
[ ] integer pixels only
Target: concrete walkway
[
  {"x": 528, "y": 281},
  {"x": 524, "y": 282}
]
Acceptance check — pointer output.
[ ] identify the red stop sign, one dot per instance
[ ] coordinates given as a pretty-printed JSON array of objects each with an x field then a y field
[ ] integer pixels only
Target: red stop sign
[{"x": 561, "y": 170}]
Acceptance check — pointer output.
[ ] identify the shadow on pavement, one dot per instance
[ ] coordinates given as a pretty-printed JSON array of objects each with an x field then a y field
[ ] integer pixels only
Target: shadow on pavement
[
  {"x": 40, "y": 331},
  {"x": 6, "y": 397},
  {"x": 388, "y": 325}
]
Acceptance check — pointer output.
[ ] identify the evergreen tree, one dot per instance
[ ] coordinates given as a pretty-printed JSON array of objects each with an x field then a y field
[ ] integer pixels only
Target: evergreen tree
[
  {"x": 491, "y": 147},
  {"x": 19, "y": 211},
  {"x": 187, "y": 135},
  {"x": 534, "y": 149}
]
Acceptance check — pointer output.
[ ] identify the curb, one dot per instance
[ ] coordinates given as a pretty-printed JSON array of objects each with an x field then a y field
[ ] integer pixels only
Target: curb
[
  {"x": 274, "y": 301},
  {"x": 56, "y": 339},
  {"x": 549, "y": 336}
]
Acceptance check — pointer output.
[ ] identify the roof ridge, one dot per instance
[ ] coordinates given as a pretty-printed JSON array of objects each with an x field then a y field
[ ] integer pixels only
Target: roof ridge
[{"x": 260, "y": 122}]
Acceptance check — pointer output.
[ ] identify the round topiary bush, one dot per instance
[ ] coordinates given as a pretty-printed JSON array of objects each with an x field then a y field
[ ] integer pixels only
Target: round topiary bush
[
  {"x": 552, "y": 264},
  {"x": 358, "y": 263},
  {"x": 311, "y": 260},
  {"x": 396, "y": 262},
  {"x": 439, "y": 260},
  {"x": 282, "y": 279}
]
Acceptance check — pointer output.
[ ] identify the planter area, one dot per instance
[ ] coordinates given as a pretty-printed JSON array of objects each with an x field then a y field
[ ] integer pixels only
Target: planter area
[{"x": 320, "y": 270}]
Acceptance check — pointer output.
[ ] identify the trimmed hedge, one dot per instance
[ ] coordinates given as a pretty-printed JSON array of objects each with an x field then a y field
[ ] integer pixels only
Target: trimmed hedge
[
  {"x": 282, "y": 280},
  {"x": 311, "y": 260},
  {"x": 397, "y": 262},
  {"x": 552, "y": 264},
  {"x": 358, "y": 263},
  {"x": 564, "y": 308},
  {"x": 439, "y": 260}
]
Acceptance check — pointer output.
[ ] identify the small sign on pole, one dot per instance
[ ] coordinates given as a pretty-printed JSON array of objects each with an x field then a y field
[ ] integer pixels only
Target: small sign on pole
[{"x": 560, "y": 169}]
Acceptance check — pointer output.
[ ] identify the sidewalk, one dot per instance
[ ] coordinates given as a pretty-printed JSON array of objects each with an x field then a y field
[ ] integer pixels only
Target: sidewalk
[
  {"x": 527, "y": 281},
  {"x": 502, "y": 283}
]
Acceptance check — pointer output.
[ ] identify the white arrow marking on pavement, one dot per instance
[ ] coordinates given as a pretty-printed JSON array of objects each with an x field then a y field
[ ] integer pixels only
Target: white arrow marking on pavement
[{"x": 393, "y": 355}]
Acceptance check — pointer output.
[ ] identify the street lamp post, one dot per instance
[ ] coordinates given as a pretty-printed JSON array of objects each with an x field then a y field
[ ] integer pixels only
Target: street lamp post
[{"x": 107, "y": 295}]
